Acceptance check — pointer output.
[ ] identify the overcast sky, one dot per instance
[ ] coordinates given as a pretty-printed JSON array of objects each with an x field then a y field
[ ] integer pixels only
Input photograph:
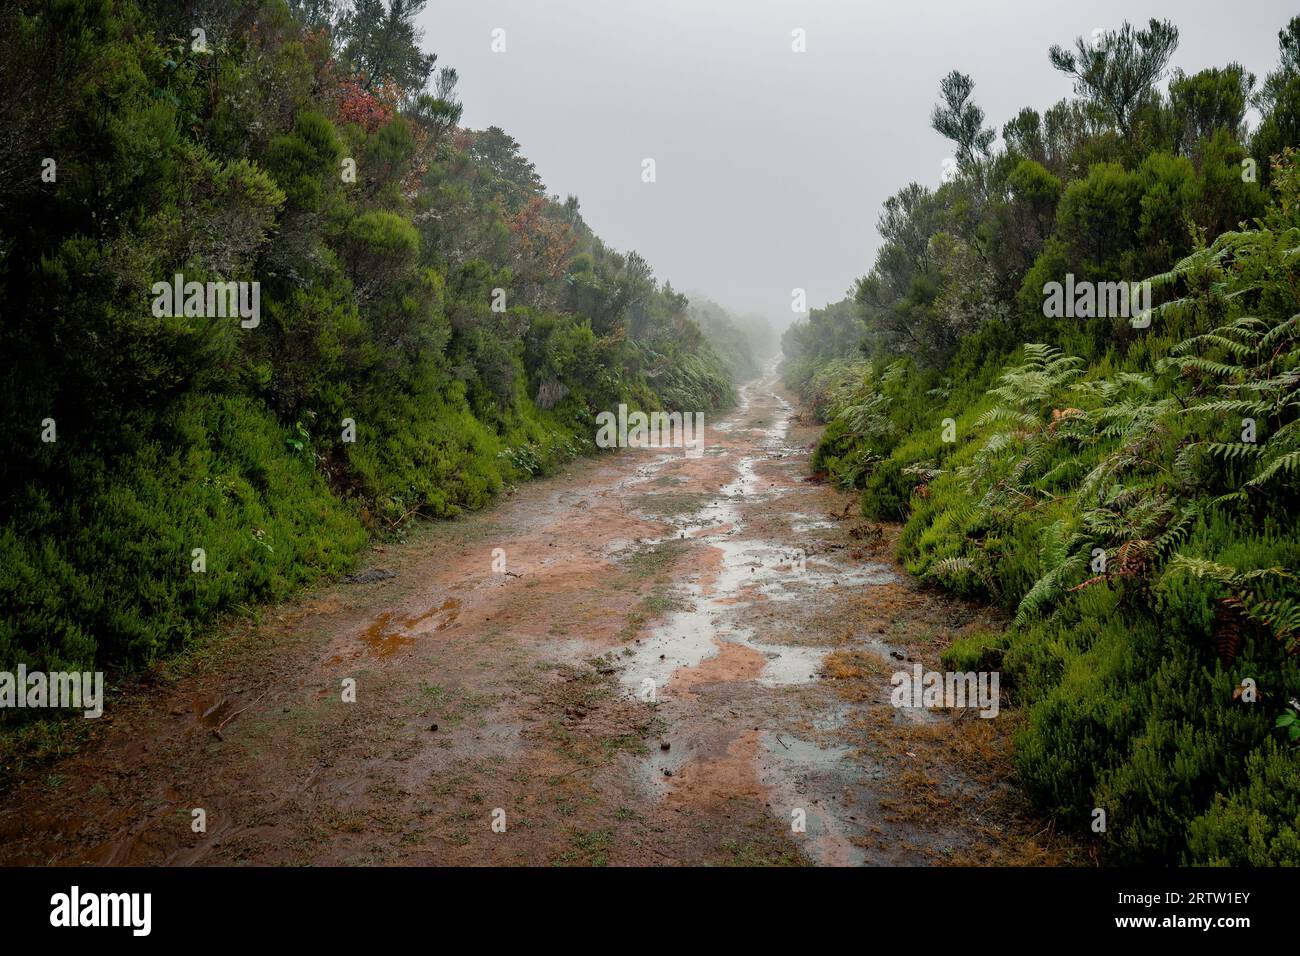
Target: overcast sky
[{"x": 772, "y": 165}]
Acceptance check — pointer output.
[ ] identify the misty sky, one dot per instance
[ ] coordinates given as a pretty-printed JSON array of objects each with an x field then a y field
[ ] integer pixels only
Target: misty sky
[{"x": 772, "y": 165}]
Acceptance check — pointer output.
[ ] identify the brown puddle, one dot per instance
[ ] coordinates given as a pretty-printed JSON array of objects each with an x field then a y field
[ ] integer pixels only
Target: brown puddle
[
  {"x": 384, "y": 639},
  {"x": 211, "y": 712},
  {"x": 388, "y": 633}
]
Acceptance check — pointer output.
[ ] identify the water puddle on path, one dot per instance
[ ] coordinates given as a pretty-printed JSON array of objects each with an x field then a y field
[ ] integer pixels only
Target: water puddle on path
[
  {"x": 751, "y": 569},
  {"x": 815, "y": 787},
  {"x": 715, "y": 638},
  {"x": 390, "y": 633}
]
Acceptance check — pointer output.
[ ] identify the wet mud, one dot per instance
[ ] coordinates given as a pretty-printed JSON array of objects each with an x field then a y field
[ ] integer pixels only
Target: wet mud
[{"x": 684, "y": 660}]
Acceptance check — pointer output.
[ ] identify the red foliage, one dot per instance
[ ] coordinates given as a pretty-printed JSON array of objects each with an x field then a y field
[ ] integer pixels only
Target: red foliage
[
  {"x": 542, "y": 243},
  {"x": 368, "y": 109}
]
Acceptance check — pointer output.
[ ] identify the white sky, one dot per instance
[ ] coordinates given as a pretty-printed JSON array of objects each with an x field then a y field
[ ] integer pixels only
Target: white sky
[{"x": 772, "y": 166}]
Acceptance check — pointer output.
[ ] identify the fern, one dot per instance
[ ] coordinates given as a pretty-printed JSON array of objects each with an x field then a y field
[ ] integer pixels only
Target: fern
[{"x": 1064, "y": 560}]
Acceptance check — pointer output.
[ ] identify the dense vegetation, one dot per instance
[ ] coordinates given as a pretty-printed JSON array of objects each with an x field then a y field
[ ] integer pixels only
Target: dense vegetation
[
  {"x": 1128, "y": 491},
  {"x": 419, "y": 291}
]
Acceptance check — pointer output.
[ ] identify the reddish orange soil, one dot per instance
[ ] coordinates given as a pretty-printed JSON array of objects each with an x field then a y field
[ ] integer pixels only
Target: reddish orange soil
[{"x": 655, "y": 679}]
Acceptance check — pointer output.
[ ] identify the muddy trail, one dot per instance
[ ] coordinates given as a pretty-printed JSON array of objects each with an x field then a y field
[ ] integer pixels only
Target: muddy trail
[{"x": 681, "y": 660}]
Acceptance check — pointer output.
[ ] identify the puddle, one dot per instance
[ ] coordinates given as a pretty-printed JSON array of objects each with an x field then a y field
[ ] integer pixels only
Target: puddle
[
  {"x": 715, "y": 640},
  {"x": 751, "y": 569},
  {"x": 788, "y": 665},
  {"x": 824, "y": 784},
  {"x": 451, "y": 609},
  {"x": 802, "y": 523},
  {"x": 685, "y": 639},
  {"x": 832, "y": 719},
  {"x": 210, "y": 712},
  {"x": 899, "y": 660},
  {"x": 886, "y": 652},
  {"x": 384, "y": 638},
  {"x": 389, "y": 632}
]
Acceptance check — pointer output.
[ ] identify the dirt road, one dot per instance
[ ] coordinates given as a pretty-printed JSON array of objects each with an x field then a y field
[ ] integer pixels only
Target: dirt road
[{"x": 681, "y": 661}]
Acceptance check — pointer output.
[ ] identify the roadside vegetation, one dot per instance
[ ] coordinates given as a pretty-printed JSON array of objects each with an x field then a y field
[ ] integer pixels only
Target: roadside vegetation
[
  {"x": 1126, "y": 486},
  {"x": 420, "y": 293}
]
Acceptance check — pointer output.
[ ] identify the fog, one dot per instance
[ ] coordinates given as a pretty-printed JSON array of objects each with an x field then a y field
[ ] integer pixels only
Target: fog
[{"x": 772, "y": 165}]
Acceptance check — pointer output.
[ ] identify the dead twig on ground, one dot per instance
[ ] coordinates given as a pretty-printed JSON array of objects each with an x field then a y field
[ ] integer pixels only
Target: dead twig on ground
[{"x": 217, "y": 729}]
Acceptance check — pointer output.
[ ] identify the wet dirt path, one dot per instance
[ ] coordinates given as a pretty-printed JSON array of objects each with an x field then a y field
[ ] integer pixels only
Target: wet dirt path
[{"x": 682, "y": 660}]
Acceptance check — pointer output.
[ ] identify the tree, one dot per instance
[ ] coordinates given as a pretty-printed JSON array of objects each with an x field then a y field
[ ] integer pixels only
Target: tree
[
  {"x": 1275, "y": 84},
  {"x": 961, "y": 121},
  {"x": 1279, "y": 102},
  {"x": 909, "y": 219},
  {"x": 895, "y": 297},
  {"x": 1024, "y": 136},
  {"x": 383, "y": 44},
  {"x": 1120, "y": 67},
  {"x": 504, "y": 170},
  {"x": 1210, "y": 100},
  {"x": 1076, "y": 134},
  {"x": 314, "y": 13}
]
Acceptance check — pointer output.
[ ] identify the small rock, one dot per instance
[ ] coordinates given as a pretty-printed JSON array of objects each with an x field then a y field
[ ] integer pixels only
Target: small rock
[
  {"x": 664, "y": 745},
  {"x": 433, "y": 726}
]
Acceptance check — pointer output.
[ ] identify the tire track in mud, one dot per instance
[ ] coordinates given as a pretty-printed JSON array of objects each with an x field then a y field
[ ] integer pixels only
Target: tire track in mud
[{"x": 762, "y": 614}]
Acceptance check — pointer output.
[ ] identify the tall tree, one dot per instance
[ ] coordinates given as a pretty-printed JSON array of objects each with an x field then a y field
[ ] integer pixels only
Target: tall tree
[
  {"x": 961, "y": 121},
  {"x": 1279, "y": 101},
  {"x": 383, "y": 44},
  {"x": 1120, "y": 67},
  {"x": 1207, "y": 101}
]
